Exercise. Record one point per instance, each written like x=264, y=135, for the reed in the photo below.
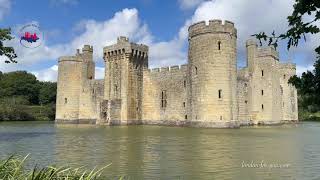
x=14, y=168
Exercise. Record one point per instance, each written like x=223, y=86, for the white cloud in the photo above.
x=188, y=4
x=301, y=69
x=98, y=34
x=49, y=74
x=5, y=6
x=99, y=73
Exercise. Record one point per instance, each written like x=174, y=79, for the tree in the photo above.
x=297, y=28
x=20, y=83
x=47, y=93
x=5, y=34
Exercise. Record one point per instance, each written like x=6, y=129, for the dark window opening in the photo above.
x=163, y=99
x=219, y=45
x=281, y=89
x=184, y=104
x=220, y=93
x=220, y=117
x=284, y=76
x=196, y=70
x=246, y=102
x=262, y=92
x=184, y=83
x=262, y=106
x=186, y=117
x=261, y=72
x=65, y=100
x=90, y=77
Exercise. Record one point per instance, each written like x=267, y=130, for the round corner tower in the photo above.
x=68, y=88
x=212, y=71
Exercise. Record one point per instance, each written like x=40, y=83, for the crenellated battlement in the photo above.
x=214, y=26
x=268, y=51
x=69, y=58
x=123, y=46
x=175, y=68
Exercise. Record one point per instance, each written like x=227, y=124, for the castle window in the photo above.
x=163, y=99
x=185, y=117
x=246, y=101
x=196, y=70
x=115, y=88
x=262, y=106
x=184, y=83
x=119, y=51
x=261, y=72
x=184, y=104
x=220, y=117
x=283, y=104
x=123, y=51
x=281, y=89
x=219, y=45
x=284, y=76
x=220, y=93
x=65, y=100
x=262, y=92
x=245, y=84
x=104, y=54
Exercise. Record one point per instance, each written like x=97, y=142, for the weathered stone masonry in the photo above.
x=208, y=91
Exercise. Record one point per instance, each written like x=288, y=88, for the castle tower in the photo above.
x=212, y=72
x=68, y=89
x=73, y=75
x=124, y=65
x=251, y=46
x=89, y=65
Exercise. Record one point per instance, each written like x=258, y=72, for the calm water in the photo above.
x=151, y=152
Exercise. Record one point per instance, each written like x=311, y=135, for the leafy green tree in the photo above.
x=5, y=34
x=47, y=93
x=20, y=83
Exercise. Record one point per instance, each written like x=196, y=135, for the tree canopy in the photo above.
x=5, y=34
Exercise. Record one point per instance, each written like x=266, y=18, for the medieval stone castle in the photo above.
x=208, y=91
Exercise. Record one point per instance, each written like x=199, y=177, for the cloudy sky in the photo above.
x=161, y=24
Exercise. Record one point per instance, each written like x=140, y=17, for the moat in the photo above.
x=152, y=152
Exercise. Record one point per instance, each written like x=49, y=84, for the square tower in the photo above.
x=124, y=65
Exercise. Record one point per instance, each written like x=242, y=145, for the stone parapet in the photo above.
x=214, y=26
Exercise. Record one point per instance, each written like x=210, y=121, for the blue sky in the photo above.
x=161, y=24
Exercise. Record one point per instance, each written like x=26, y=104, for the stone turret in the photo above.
x=212, y=72
x=125, y=63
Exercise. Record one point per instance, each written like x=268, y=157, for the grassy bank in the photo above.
x=27, y=112
x=14, y=168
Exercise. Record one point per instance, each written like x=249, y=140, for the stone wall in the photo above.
x=165, y=94
x=289, y=92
